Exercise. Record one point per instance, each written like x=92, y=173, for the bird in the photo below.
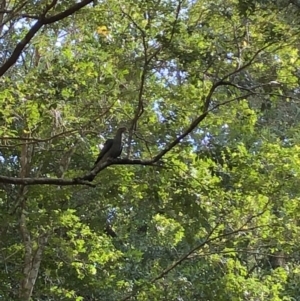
x=112, y=147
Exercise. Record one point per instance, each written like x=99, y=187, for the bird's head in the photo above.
x=122, y=130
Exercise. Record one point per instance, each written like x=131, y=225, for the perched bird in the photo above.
x=112, y=147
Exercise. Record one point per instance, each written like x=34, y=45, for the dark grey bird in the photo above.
x=112, y=147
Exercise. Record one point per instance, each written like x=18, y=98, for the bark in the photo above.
x=32, y=260
x=32, y=257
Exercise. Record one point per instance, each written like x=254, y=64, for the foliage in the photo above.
x=204, y=204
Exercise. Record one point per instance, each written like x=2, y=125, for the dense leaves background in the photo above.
x=204, y=204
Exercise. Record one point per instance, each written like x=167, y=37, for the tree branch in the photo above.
x=43, y=181
x=196, y=122
x=240, y=68
x=92, y=174
x=206, y=241
x=67, y=12
x=20, y=46
x=35, y=28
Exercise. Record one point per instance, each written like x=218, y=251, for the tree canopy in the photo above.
x=204, y=202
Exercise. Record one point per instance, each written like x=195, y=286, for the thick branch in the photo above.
x=207, y=101
x=91, y=175
x=68, y=12
x=35, y=28
x=196, y=122
x=43, y=181
x=20, y=46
